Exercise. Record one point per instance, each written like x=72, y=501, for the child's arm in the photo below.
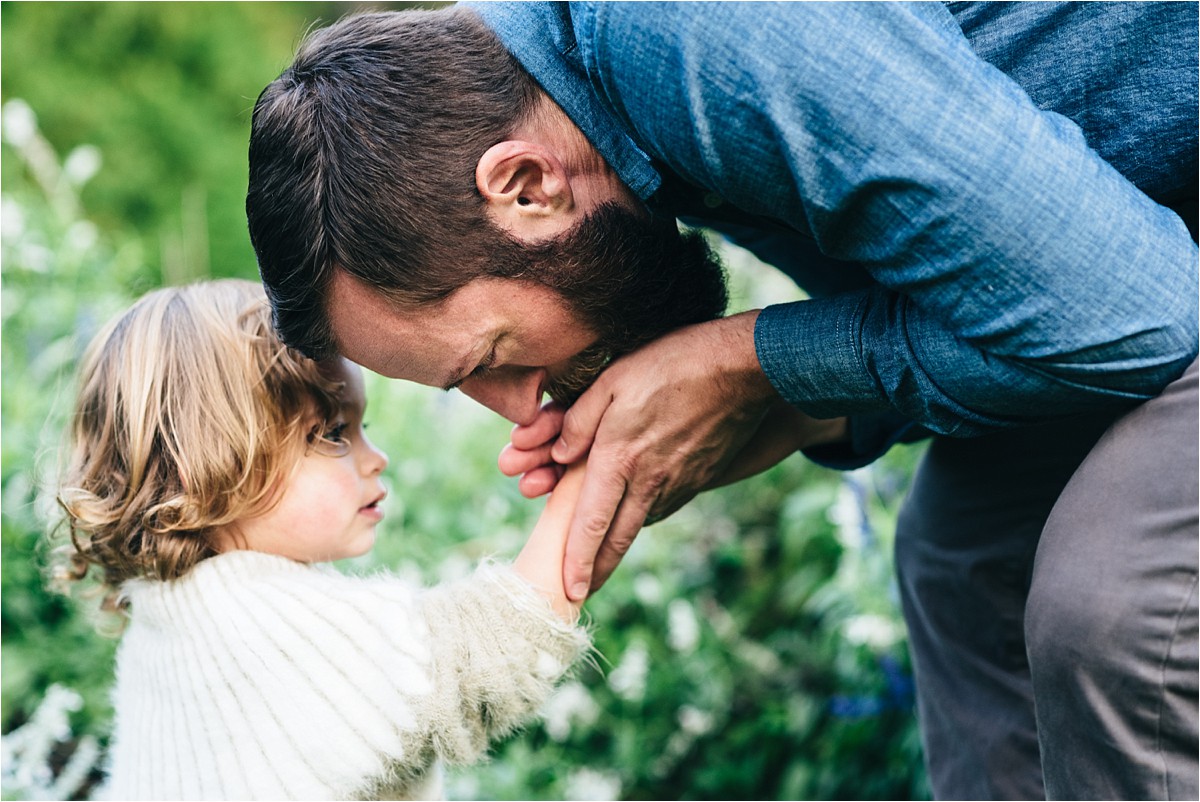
x=540, y=562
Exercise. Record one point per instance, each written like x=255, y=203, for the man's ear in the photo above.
x=527, y=189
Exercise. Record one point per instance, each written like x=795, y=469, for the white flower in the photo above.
x=19, y=123
x=81, y=164
x=628, y=680
x=81, y=236
x=37, y=258
x=648, y=589
x=12, y=219
x=683, y=630
x=571, y=704
x=694, y=721
x=590, y=784
x=26, y=750
x=847, y=512
x=871, y=630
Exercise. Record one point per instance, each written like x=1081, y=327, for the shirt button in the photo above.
x=712, y=200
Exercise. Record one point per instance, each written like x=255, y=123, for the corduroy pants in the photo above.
x=1048, y=577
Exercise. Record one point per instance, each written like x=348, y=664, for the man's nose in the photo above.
x=515, y=393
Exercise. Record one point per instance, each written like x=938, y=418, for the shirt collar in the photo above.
x=541, y=37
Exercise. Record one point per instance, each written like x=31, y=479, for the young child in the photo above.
x=213, y=475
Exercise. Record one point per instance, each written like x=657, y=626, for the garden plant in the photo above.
x=750, y=646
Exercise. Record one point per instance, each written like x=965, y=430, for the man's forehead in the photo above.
x=371, y=329
x=360, y=318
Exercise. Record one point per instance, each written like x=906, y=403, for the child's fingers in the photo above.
x=545, y=427
x=540, y=481
x=515, y=461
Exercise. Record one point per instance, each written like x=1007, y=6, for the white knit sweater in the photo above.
x=255, y=677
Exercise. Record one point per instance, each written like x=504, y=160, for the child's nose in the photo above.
x=374, y=460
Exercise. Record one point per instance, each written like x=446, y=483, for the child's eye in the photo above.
x=336, y=433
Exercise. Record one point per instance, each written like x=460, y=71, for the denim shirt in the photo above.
x=969, y=192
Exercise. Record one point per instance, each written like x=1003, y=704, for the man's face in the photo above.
x=500, y=341
x=611, y=284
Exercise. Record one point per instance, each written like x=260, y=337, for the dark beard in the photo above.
x=629, y=279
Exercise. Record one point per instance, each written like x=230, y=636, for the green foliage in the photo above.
x=165, y=91
x=749, y=646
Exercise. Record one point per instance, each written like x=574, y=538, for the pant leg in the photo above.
x=965, y=543
x=1112, y=613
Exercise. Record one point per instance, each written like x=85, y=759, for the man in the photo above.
x=980, y=200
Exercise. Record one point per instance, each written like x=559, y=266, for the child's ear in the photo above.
x=527, y=190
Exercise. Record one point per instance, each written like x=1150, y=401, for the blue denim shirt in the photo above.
x=956, y=186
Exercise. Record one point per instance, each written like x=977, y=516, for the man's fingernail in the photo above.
x=579, y=591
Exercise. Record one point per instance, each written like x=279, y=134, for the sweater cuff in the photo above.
x=560, y=644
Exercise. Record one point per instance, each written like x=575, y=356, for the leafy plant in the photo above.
x=751, y=645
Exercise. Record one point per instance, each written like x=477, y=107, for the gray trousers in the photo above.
x=1048, y=577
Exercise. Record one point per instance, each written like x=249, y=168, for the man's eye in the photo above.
x=485, y=366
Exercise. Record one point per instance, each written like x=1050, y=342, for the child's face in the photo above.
x=330, y=505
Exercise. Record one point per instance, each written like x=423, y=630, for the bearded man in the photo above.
x=984, y=202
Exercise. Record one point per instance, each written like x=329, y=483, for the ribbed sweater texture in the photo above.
x=256, y=677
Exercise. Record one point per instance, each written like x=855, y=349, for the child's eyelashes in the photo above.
x=330, y=439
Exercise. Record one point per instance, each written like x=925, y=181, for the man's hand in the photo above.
x=657, y=426
x=688, y=411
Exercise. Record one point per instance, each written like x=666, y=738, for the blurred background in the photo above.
x=752, y=645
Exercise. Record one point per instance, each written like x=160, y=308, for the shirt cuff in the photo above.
x=871, y=434
x=810, y=351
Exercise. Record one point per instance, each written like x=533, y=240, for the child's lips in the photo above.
x=374, y=509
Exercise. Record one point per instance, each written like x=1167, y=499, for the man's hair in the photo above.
x=191, y=413
x=363, y=155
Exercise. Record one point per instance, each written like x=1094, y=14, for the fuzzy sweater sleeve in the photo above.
x=498, y=650
x=255, y=677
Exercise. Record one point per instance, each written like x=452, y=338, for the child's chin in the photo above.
x=363, y=544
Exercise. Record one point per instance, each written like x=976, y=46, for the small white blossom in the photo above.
x=34, y=257
x=648, y=589
x=81, y=164
x=683, y=630
x=694, y=721
x=25, y=752
x=12, y=219
x=628, y=680
x=847, y=512
x=872, y=630
x=19, y=123
x=81, y=236
x=570, y=705
x=590, y=784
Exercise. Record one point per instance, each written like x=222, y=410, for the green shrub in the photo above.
x=751, y=645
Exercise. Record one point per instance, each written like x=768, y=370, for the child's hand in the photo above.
x=540, y=562
x=528, y=455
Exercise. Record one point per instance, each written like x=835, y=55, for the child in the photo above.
x=213, y=474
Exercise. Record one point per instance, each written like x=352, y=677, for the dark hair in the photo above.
x=362, y=158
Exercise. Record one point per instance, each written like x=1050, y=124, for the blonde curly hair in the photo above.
x=191, y=413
